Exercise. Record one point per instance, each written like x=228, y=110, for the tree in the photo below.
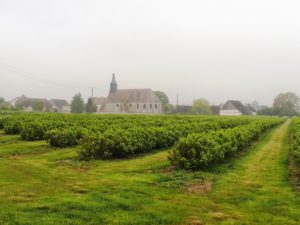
x=77, y=104
x=90, y=106
x=286, y=104
x=201, y=106
x=2, y=101
x=3, y=104
x=38, y=106
x=267, y=111
x=169, y=109
x=163, y=98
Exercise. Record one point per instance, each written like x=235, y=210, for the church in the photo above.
x=135, y=101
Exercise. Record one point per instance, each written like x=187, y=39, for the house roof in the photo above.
x=233, y=105
x=23, y=97
x=29, y=102
x=60, y=103
x=250, y=108
x=215, y=109
x=132, y=95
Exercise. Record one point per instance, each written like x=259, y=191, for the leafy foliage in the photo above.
x=295, y=140
x=120, y=136
x=77, y=104
x=201, y=106
x=38, y=106
x=286, y=104
x=64, y=137
x=200, y=150
x=163, y=97
x=90, y=106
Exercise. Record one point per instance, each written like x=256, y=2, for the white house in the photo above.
x=27, y=104
x=61, y=105
x=234, y=108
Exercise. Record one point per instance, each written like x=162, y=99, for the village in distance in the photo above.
x=146, y=101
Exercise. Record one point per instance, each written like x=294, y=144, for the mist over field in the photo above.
x=218, y=50
x=138, y=112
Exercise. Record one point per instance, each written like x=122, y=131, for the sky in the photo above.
x=212, y=49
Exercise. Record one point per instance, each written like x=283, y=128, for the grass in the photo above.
x=42, y=185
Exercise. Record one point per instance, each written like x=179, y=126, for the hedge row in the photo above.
x=65, y=137
x=66, y=130
x=295, y=140
x=122, y=143
x=2, y=120
x=119, y=143
x=198, y=151
x=10, y=112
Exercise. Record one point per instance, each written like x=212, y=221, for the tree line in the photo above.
x=78, y=105
x=284, y=104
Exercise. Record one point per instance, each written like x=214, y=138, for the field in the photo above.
x=82, y=182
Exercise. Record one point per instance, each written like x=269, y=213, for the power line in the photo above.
x=16, y=72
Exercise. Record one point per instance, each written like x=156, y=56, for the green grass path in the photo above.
x=258, y=190
x=42, y=185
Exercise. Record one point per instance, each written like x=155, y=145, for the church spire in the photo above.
x=113, y=84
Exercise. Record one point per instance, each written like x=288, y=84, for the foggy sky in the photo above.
x=218, y=50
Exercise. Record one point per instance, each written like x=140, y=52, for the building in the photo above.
x=183, y=109
x=139, y=101
x=61, y=105
x=233, y=108
x=251, y=110
x=215, y=109
x=28, y=104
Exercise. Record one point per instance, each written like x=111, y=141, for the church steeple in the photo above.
x=113, y=84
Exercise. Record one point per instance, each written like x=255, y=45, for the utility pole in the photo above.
x=177, y=99
x=92, y=90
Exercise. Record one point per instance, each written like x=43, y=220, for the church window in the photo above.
x=155, y=106
x=150, y=106
x=117, y=105
x=137, y=106
x=144, y=106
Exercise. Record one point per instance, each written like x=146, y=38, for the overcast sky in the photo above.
x=213, y=49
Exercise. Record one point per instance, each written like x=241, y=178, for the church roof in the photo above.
x=233, y=105
x=133, y=95
x=100, y=100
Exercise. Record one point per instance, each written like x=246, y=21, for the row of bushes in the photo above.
x=123, y=143
x=2, y=120
x=98, y=122
x=67, y=130
x=198, y=151
x=295, y=140
x=9, y=112
x=73, y=135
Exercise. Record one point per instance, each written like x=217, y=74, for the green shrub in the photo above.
x=295, y=140
x=33, y=131
x=64, y=137
x=201, y=150
x=2, y=121
x=12, y=126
